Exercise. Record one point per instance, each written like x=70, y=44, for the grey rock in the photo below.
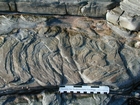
x=130, y=23
x=42, y=8
x=63, y=1
x=73, y=9
x=122, y=19
x=114, y=15
x=36, y=54
x=132, y=61
x=91, y=8
x=117, y=100
x=95, y=9
x=132, y=7
x=120, y=31
x=40, y=51
x=85, y=99
x=46, y=98
x=125, y=16
x=12, y=6
x=4, y=6
x=7, y=24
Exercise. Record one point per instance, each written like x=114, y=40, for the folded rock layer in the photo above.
x=50, y=51
x=41, y=52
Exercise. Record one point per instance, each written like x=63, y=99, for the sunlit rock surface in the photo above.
x=132, y=7
x=45, y=51
x=94, y=8
x=126, y=16
x=40, y=53
x=36, y=52
x=46, y=98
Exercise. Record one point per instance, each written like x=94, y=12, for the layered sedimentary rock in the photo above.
x=43, y=52
x=45, y=98
x=132, y=7
x=125, y=21
x=126, y=16
x=92, y=8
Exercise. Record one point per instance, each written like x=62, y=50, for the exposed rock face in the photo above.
x=126, y=16
x=94, y=8
x=56, y=99
x=132, y=7
x=43, y=52
x=43, y=55
x=50, y=51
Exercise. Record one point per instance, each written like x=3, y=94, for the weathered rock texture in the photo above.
x=94, y=8
x=125, y=21
x=126, y=16
x=50, y=51
x=40, y=52
x=45, y=98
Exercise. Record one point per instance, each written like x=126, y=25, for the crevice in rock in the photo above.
x=9, y=61
x=9, y=6
x=128, y=71
x=16, y=9
x=12, y=6
x=82, y=6
x=118, y=21
x=113, y=5
x=28, y=90
x=64, y=79
x=66, y=10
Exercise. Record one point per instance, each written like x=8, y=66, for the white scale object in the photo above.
x=84, y=89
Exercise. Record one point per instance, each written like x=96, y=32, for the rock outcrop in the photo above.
x=94, y=8
x=40, y=52
x=126, y=16
x=125, y=21
x=50, y=51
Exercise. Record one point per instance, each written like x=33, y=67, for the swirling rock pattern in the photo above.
x=50, y=51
